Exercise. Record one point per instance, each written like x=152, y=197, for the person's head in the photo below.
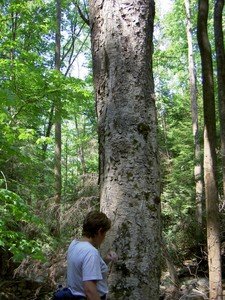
x=94, y=223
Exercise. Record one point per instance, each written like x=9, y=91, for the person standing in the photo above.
x=86, y=270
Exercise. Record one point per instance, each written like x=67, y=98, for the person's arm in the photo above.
x=90, y=289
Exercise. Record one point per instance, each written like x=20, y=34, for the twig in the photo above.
x=6, y=186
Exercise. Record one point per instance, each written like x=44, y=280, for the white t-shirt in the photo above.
x=85, y=263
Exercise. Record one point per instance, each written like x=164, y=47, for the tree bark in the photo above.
x=195, y=128
x=220, y=58
x=121, y=34
x=211, y=192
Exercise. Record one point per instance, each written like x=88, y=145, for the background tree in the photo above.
x=195, y=127
x=129, y=172
x=176, y=143
x=220, y=58
x=210, y=180
x=58, y=138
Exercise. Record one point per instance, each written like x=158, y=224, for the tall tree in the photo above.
x=178, y=193
x=195, y=126
x=129, y=173
x=220, y=58
x=210, y=180
x=58, y=146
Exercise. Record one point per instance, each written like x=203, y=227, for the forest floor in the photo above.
x=38, y=281
x=21, y=289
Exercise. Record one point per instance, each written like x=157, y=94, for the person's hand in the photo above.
x=111, y=257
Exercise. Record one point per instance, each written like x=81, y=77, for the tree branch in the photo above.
x=81, y=14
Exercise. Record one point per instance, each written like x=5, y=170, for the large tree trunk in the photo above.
x=129, y=172
x=57, y=171
x=194, y=105
x=211, y=193
x=220, y=57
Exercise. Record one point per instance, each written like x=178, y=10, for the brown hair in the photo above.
x=94, y=221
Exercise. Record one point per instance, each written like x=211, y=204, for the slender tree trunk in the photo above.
x=129, y=173
x=194, y=105
x=211, y=193
x=220, y=57
x=57, y=171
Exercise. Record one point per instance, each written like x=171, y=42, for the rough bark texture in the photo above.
x=220, y=58
x=129, y=173
x=194, y=105
x=211, y=193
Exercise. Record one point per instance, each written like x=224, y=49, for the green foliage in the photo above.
x=15, y=216
x=175, y=127
x=30, y=89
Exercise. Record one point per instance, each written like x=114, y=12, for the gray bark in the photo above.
x=220, y=58
x=129, y=172
x=195, y=128
x=210, y=180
